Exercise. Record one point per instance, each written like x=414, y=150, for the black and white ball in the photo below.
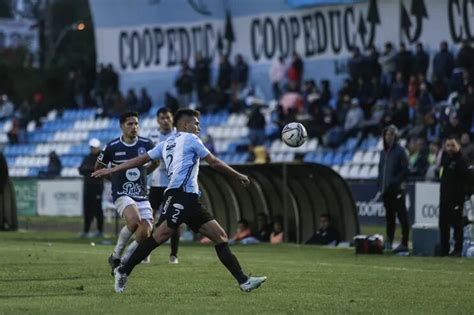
x=294, y=134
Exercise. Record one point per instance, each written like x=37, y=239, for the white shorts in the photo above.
x=144, y=207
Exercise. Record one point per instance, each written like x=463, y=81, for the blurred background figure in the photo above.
x=264, y=228
x=93, y=188
x=54, y=166
x=326, y=234
x=243, y=234
x=277, y=236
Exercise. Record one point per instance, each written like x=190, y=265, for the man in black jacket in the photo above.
x=393, y=171
x=92, y=191
x=452, y=191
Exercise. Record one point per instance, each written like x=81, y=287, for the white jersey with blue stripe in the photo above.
x=159, y=178
x=181, y=153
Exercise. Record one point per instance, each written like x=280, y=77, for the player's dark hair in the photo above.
x=164, y=110
x=452, y=137
x=244, y=222
x=124, y=116
x=185, y=112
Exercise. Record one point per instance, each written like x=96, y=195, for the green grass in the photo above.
x=53, y=272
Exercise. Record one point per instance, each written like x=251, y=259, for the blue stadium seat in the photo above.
x=328, y=157
x=338, y=158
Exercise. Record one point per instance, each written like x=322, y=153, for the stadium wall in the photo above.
x=147, y=40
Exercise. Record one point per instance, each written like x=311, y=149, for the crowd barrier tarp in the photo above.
x=26, y=196
x=373, y=213
x=146, y=40
x=60, y=197
x=310, y=189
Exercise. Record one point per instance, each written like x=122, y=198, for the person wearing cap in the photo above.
x=92, y=191
x=393, y=172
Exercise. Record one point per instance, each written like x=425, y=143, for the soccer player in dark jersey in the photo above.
x=129, y=187
x=159, y=179
x=181, y=153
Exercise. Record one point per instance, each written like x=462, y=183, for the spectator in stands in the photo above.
x=240, y=75
x=439, y=89
x=277, y=75
x=467, y=148
x=431, y=173
x=393, y=171
x=184, y=85
x=443, y=63
x=354, y=119
x=111, y=78
x=326, y=234
x=93, y=187
x=417, y=158
x=78, y=85
x=256, y=124
x=356, y=65
x=264, y=228
x=7, y=108
x=421, y=60
x=452, y=193
x=259, y=155
x=310, y=94
x=397, y=115
x=466, y=107
x=387, y=61
x=453, y=127
x=54, y=166
x=278, y=235
x=144, y=103
x=131, y=100
x=295, y=72
x=202, y=76
x=171, y=102
x=432, y=127
x=404, y=61
x=291, y=102
x=14, y=132
x=399, y=89
x=465, y=57
x=243, y=234
x=224, y=76
x=23, y=114
x=373, y=69
x=412, y=93
x=373, y=124
x=326, y=94
x=425, y=99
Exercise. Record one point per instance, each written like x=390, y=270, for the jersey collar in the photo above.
x=129, y=145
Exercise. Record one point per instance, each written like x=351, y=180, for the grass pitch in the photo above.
x=45, y=272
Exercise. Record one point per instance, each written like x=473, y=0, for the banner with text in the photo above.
x=60, y=197
x=26, y=195
x=153, y=37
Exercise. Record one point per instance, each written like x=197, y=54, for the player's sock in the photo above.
x=230, y=262
x=141, y=252
x=130, y=249
x=174, y=243
x=122, y=240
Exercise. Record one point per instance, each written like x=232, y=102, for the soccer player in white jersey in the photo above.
x=159, y=178
x=181, y=154
x=129, y=189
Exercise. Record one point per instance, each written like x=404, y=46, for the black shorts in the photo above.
x=182, y=207
x=156, y=197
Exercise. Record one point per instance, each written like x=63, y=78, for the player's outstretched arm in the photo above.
x=225, y=169
x=152, y=167
x=135, y=162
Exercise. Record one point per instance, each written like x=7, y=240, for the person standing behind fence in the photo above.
x=93, y=188
x=393, y=171
x=453, y=175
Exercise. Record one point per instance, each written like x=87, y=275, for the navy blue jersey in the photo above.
x=132, y=182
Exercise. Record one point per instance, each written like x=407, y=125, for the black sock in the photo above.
x=141, y=252
x=174, y=243
x=230, y=262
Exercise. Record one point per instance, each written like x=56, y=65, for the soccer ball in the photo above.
x=294, y=134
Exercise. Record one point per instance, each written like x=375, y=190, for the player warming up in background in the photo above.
x=129, y=189
x=159, y=179
x=181, y=153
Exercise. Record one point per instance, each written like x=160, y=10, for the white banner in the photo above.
x=426, y=203
x=15, y=33
x=60, y=197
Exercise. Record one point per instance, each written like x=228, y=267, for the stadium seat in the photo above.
x=344, y=171
x=358, y=156
x=354, y=172
x=374, y=172
x=364, y=172
x=367, y=157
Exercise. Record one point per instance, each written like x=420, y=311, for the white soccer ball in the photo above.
x=294, y=134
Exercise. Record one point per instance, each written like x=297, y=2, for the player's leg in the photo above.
x=390, y=219
x=174, y=243
x=88, y=217
x=127, y=209
x=402, y=215
x=216, y=233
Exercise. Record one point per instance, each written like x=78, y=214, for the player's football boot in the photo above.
x=114, y=263
x=252, y=283
x=174, y=260
x=120, y=280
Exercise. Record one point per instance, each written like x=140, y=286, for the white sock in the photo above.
x=130, y=249
x=122, y=240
